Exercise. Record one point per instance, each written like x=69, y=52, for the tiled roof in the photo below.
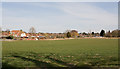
x=15, y=31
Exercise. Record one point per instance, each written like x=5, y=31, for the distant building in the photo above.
x=18, y=33
x=4, y=34
x=15, y=33
x=23, y=34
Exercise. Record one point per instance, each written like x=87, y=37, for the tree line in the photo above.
x=114, y=33
x=75, y=34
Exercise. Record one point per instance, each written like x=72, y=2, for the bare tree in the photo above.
x=32, y=30
x=67, y=31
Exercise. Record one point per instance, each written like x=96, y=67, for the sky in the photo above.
x=60, y=0
x=55, y=17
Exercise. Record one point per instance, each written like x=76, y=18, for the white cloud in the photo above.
x=89, y=12
x=85, y=11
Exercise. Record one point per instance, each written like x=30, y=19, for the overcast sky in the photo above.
x=60, y=16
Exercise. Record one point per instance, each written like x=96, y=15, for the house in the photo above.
x=15, y=33
x=28, y=34
x=23, y=34
x=18, y=33
x=4, y=34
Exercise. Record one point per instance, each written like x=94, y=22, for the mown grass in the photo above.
x=60, y=53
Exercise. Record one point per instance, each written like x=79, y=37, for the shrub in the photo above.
x=10, y=37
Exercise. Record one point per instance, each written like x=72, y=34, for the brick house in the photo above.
x=18, y=33
x=15, y=33
x=5, y=34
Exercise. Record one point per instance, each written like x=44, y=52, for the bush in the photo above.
x=68, y=34
x=10, y=37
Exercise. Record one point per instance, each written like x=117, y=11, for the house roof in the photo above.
x=15, y=31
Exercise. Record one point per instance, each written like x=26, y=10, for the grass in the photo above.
x=61, y=53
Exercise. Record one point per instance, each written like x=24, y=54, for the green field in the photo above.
x=60, y=53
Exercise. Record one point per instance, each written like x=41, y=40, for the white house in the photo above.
x=23, y=35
